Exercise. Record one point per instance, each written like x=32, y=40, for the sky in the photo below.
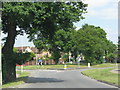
x=103, y=13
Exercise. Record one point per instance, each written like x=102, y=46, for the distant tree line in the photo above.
x=91, y=41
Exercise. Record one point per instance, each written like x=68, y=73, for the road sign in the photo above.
x=40, y=60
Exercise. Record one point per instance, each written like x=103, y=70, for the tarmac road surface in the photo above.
x=61, y=79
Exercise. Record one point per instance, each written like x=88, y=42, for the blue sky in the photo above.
x=103, y=13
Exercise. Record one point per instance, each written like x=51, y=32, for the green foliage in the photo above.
x=55, y=16
x=92, y=42
x=56, y=55
x=54, y=32
x=40, y=20
x=46, y=57
x=21, y=58
x=20, y=13
x=65, y=57
x=63, y=39
x=111, y=57
x=15, y=50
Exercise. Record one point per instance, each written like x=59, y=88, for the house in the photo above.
x=34, y=50
x=27, y=49
x=43, y=54
x=38, y=54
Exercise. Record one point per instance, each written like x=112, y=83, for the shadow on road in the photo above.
x=42, y=80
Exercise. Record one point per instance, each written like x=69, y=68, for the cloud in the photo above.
x=104, y=13
x=112, y=34
x=99, y=3
x=108, y=13
x=96, y=3
x=104, y=9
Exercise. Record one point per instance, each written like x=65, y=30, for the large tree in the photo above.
x=13, y=15
x=61, y=43
x=35, y=19
x=60, y=21
x=92, y=42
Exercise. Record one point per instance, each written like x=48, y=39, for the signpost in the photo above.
x=40, y=61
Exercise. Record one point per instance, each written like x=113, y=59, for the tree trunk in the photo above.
x=56, y=55
x=8, y=61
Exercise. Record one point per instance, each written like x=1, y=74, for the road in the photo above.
x=61, y=79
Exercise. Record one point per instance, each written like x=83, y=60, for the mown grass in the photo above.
x=104, y=65
x=21, y=79
x=103, y=75
x=68, y=66
x=49, y=66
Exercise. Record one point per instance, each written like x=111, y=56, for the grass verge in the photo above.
x=21, y=79
x=49, y=66
x=104, y=65
x=32, y=67
x=103, y=75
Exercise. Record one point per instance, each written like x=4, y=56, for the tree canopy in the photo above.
x=37, y=19
x=92, y=42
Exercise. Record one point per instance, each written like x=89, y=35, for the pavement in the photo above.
x=61, y=79
x=115, y=71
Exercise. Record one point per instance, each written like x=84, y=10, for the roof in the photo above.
x=23, y=49
x=35, y=50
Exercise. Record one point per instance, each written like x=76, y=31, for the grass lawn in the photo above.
x=21, y=79
x=104, y=65
x=49, y=66
x=103, y=75
x=68, y=66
